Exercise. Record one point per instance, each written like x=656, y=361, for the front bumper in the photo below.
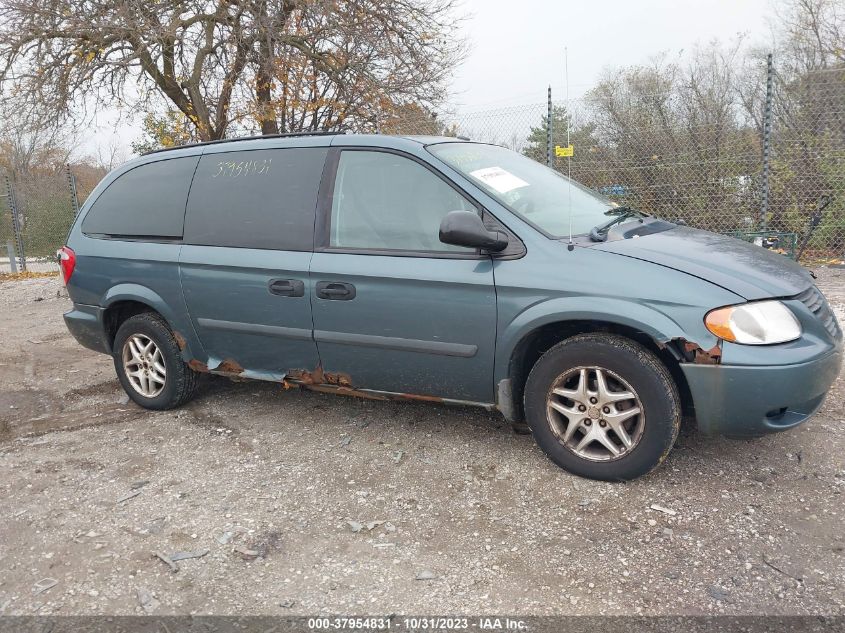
x=748, y=401
x=86, y=324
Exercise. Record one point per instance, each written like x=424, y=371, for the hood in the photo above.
x=750, y=271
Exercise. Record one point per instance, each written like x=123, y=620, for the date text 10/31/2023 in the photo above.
x=421, y=623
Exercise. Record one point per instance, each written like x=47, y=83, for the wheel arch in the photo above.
x=518, y=353
x=120, y=311
x=126, y=300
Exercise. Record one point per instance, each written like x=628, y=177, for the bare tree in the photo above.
x=812, y=34
x=364, y=61
x=676, y=135
x=28, y=145
x=636, y=122
x=110, y=155
x=220, y=62
x=809, y=118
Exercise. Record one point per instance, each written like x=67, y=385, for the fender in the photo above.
x=182, y=328
x=639, y=316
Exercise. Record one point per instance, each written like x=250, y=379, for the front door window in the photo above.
x=383, y=201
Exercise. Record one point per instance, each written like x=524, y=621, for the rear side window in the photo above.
x=147, y=201
x=256, y=199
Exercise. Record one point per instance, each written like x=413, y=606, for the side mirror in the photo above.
x=465, y=228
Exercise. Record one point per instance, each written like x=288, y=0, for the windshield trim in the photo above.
x=516, y=213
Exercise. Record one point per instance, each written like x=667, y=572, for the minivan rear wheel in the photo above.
x=603, y=406
x=149, y=364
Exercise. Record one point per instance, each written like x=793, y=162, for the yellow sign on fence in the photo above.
x=569, y=150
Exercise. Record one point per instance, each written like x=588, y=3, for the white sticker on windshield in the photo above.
x=500, y=179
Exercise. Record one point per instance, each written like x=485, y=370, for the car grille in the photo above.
x=817, y=304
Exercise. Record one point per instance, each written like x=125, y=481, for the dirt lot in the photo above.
x=355, y=507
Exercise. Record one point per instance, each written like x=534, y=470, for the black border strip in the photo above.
x=422, y=623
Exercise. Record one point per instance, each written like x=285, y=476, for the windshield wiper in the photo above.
x=599, y=232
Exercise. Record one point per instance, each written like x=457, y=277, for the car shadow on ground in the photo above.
x=331, y=415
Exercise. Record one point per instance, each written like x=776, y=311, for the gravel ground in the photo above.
x=303, y=503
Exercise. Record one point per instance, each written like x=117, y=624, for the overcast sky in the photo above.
x=517, y=48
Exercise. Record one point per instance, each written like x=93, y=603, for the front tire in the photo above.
x=602, y=406
x=149, y=364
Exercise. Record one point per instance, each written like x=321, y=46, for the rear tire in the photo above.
x=602, y=406
x=149, y=364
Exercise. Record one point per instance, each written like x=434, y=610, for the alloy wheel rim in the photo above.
x=595, y=413
x=144, y=366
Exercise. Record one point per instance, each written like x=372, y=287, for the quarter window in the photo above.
x=383, y=201
x=146, y=201
x=256, y=199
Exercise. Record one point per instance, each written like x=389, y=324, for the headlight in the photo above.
x=758, y=323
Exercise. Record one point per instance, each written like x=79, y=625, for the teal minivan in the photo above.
x=443, y=270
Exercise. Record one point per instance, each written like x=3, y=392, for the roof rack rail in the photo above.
x=242, y=138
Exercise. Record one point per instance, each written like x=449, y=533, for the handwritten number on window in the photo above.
x=244, y=168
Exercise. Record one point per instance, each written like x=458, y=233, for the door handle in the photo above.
x=287, y=287
x=335, y=290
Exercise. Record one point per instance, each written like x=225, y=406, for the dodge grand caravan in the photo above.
x=447, y=271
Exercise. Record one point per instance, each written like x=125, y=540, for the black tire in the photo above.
x=180, y=382
x=646, y=375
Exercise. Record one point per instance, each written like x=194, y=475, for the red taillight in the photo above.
x=67, y=260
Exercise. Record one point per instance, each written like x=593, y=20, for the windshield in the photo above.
x=536, y=193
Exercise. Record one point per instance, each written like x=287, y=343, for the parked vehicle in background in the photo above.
x=443, y=270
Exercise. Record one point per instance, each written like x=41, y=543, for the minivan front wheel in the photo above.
x=602, y=406
x=149, y=364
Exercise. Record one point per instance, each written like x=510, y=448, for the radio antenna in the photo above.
x=568, y=144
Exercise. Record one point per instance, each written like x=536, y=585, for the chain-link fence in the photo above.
x=769, y=169
x=702, y=173
x=808, y=161
x=777, y=179
x=35, y=221
x=36, y=212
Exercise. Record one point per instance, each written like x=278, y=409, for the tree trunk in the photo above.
x=264, y=78
x=266, y=109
